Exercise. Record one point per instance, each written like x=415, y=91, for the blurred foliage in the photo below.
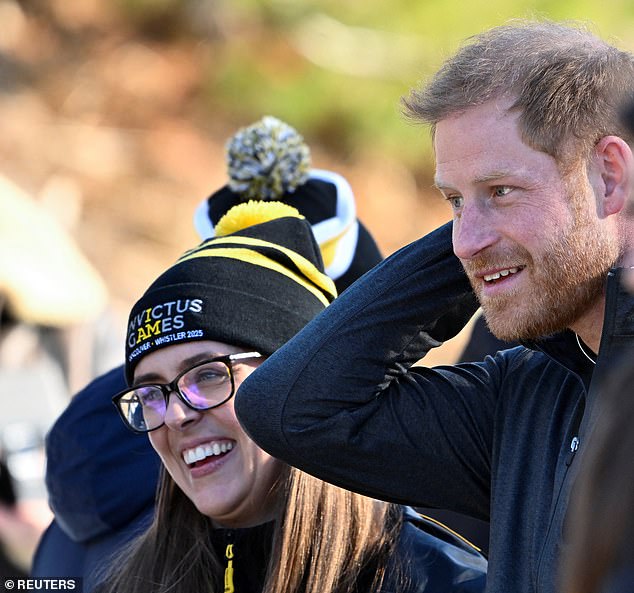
x=336, y=69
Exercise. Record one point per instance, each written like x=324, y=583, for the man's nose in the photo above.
x=472, y=231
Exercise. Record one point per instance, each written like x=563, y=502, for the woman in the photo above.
x=92, y=461
x=230, y=517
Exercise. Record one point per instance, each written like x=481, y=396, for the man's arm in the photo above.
x=340, y=402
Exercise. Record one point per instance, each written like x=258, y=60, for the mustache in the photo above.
x=509, y=257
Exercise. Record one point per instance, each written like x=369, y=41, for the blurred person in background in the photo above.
x=93, y=466
x=600, y=527
x=599, y=557
x=53, y=337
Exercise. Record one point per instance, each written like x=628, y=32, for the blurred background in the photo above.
x=113, y=119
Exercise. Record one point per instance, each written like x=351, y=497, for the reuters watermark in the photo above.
x=43, y=585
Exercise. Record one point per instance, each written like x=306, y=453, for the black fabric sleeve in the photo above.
x=341, y=400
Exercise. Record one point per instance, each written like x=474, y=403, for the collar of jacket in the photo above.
x=616, y=338
x=250, y=554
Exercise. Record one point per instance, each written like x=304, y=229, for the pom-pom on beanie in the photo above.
x=269, y=160
x=254, y=286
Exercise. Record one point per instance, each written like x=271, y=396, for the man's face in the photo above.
x=529, y=239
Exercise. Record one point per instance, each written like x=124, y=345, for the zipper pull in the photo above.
x=229, y=569
x=574, y=445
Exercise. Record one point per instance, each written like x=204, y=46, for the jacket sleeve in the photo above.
x=341, y=402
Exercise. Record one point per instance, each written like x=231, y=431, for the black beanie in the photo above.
x=255, y=287
x=270, y=161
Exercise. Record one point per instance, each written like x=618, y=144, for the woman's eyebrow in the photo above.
x=146, y=378
x=182, y=365
x=192, y=360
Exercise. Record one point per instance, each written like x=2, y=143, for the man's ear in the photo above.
x=615, y=163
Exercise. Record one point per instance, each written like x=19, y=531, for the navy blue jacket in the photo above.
x=435, y=559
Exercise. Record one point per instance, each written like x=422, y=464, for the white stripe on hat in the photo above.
x=344, y=224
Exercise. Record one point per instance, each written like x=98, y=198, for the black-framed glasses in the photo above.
x=203, y=386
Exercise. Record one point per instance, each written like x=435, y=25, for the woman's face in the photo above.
x=234, y=486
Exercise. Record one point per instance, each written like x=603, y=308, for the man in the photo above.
x=533, y=159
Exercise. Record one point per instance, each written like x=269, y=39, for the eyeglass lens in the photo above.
x=202, y=387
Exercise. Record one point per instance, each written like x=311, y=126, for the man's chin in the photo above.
x=506, y=334
x=512, y=327
x=509, y=327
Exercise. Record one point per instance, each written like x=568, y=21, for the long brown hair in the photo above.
x=323, y=540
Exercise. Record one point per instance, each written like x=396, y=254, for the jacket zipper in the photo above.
x=229, y=554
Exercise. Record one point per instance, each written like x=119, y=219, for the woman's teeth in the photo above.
x=202, y=451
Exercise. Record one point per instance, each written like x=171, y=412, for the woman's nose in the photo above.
x=177, y=414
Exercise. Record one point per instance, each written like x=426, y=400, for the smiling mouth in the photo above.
x=198, y=455
x=501, y=274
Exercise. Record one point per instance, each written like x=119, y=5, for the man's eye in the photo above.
x=501, y=190
x=455, y=201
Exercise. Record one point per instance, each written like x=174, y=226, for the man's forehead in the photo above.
x=494, y=175
x=481, y=145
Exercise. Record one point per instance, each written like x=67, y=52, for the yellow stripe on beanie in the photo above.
x=256, y=212
x=307, y=268
x=253, y=257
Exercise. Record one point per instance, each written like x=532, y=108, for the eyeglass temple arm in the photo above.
x=242, y=355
